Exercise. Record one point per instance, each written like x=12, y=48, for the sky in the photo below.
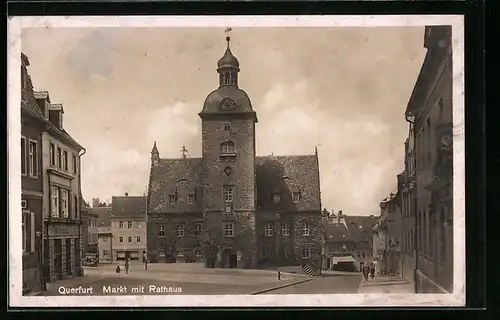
x=341, y=89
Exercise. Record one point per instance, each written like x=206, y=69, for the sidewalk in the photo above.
x=387, y=285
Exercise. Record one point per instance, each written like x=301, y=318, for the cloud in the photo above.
x=341, y=89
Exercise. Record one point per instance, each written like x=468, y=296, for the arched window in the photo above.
x=227, y=148
x=226, y=78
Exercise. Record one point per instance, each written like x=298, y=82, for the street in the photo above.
x=324, y=285
x=193, y=279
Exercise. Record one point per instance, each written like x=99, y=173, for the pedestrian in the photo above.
x=117, y=269
x=126, y=266
x=365, y=272
x=372, y=271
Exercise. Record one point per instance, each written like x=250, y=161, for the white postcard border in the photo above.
x=15, y=25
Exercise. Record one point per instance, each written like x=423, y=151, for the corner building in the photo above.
x=231, y=208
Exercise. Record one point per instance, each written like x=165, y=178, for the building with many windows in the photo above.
x=90, y=220
x=62, y=234
x=430, y=112
x=128, y=229
x=33, y=124
x=230, y=207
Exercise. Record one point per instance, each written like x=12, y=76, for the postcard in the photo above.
x=236, y=161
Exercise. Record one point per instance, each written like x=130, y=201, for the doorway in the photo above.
x=233, y=260
x=58, y=258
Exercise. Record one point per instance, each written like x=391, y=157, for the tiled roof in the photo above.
x=335, y=231
x=128, y=206
x=175, y=176
x=275, y=174
x=104, y=215
x=287, y=175
x=360, y=227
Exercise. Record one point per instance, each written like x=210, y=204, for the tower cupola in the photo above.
x=228, y=67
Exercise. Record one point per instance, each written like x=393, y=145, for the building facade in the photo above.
x=232, y=208
x=430, y=109
x=128, y=227
x=408, y=205
x=62, y=234
x=104, y=231
x=90, y=233
x=33, y=124
x=380, y=249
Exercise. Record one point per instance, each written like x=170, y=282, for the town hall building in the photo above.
x=232, y=208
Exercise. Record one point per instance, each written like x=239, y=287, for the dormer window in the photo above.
x=296, y=197
x=172, y=198
x=276, y=197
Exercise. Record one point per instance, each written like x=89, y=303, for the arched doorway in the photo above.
x=229, y=258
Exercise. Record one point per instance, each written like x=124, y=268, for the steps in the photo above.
x=310, y=271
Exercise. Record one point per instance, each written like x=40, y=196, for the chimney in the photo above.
x=126, y=194
x=95, y=202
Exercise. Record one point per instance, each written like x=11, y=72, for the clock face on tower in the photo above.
x=227, y=104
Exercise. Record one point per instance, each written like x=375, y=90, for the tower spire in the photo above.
x=228, y=66
x=155, y=155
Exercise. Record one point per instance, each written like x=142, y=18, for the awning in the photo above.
x=336, y=260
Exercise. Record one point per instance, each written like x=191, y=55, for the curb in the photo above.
x=281, y=286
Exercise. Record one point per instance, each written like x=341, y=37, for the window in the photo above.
x=129, y=239
x=306, y=253
x=23, y=156
x=52, y=151
x=227, y=126
x=139, y=225
x=120, y=239
x=65, y=160
x=64, y=203
x=296, y=196
x=129, y=224
x=197, y=229
x=268, y=230
x=228, y=193
x=54, y=206
x=276, y=197
x=286, y=252
x=179, y=232
x=138, y=239
x=285, y=230
x=25, y=232
x=33, y=160
x=305, y=229
x=59, y=155
x=227, y=148
x=268, y=252
x=120, y=224
x=191, y=198
x=363, y=254
x=197, y=253
x=161, y=230
x=228, y=230
x=74, y=164
x=171, y=198
x=104, y=253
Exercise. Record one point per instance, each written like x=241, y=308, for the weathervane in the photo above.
x=227, y=31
